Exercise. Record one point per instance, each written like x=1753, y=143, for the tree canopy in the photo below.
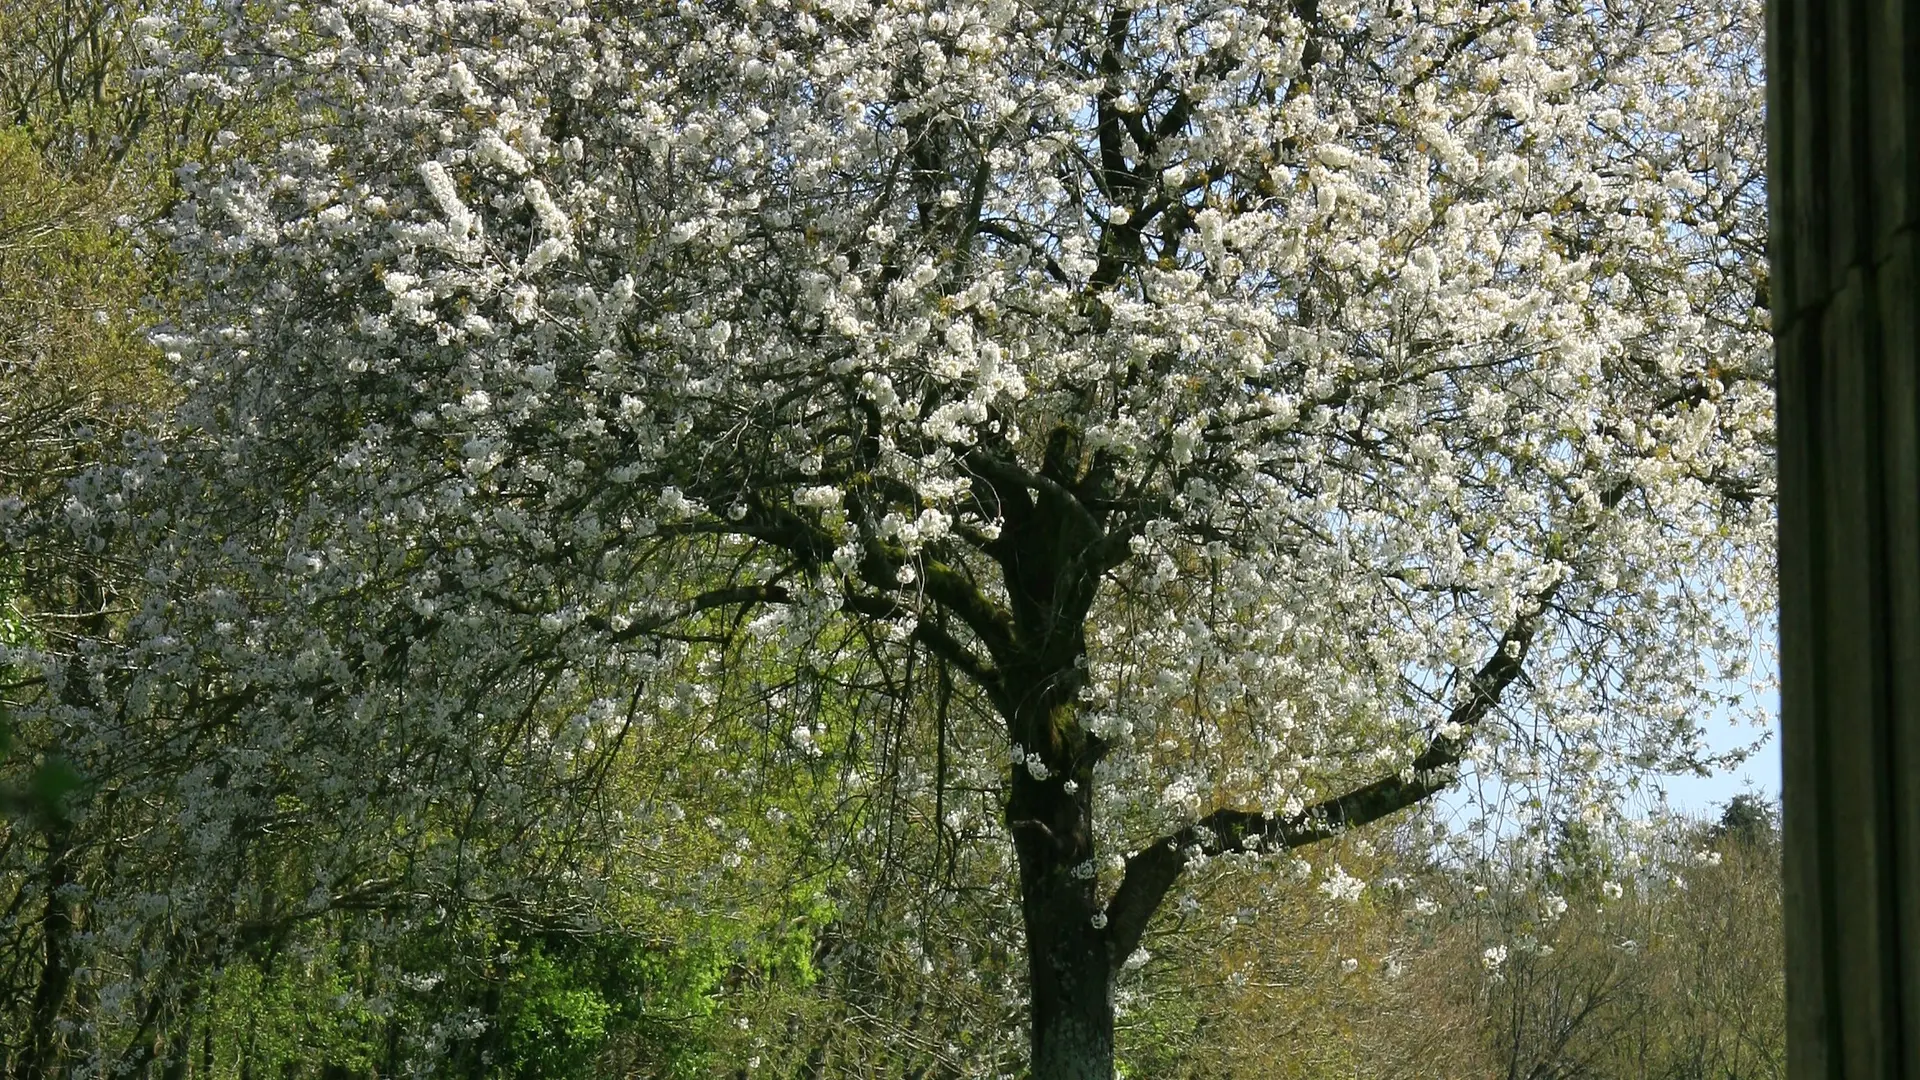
x=1191, y=429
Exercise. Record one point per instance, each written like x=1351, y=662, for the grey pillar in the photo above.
x=1844, y=112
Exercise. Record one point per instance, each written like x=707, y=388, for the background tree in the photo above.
x=107, y=961
x=1671, y=967
x=76, y=374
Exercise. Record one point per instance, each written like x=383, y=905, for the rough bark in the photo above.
x=1070, y=969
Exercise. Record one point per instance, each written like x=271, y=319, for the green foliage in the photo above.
x=1748, y=821
x=286, y=1015
x=49, y=781
x=553, y=1006
x=565, y=1002
x=555, y=1014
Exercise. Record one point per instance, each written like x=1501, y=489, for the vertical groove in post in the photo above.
x=1899, y=285
x=1844, y=180
x=1807, y=992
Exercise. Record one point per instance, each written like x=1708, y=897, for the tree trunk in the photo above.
x=1072, y=987
x=1069, y=966
x=1050, y=795
x=56, y=970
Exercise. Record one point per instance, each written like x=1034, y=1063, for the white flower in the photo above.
x=522, y=303
x=464, y=83
x=676, y=504
x=931, y=524
x=546, y=212
x=1341, y=886
x=546, y=253
x=493, y=150
x=461, y=227
x=821, y=497
x=1334, y=156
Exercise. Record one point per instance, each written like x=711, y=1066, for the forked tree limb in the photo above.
x=1151, y=872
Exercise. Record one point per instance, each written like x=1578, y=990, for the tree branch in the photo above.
x=944, y=584
x=1151, y=872
x=706, y=601
x=937, y=640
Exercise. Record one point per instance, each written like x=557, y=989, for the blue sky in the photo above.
x=1755, y=719
x=1759, y=774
